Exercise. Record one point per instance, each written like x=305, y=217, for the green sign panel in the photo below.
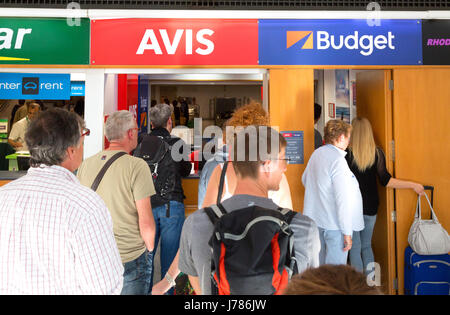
x=44, y=41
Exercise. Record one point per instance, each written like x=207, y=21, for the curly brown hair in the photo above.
x=330, y=280
x=334, y=129
x=250, y=114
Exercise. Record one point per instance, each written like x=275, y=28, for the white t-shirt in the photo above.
x=18, y=133
x=281, y=197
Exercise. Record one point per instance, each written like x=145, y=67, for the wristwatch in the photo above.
x=170, y=280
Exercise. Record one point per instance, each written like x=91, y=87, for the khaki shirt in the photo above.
x=127, y=180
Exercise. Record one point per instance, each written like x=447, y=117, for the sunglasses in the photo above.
x=86, y=132
x=285, y=159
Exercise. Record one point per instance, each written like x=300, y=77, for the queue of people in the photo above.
x=97, y=232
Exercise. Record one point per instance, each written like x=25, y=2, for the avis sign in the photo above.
x=174, y=42
x=340, y=42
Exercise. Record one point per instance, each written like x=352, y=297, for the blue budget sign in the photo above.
x=34, y=86
x=340, y=42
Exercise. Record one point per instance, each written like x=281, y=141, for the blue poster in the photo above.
x=77, y=88
x=143, y=105
x=35, y=86
x=340, y=42
x=294, y=148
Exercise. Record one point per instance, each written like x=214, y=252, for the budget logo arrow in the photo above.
x=293, y=37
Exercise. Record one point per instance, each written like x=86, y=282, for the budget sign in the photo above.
x=339, y=42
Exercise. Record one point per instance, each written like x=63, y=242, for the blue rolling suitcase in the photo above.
x=426, y=274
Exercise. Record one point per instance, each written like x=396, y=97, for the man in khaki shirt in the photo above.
x=126, y=189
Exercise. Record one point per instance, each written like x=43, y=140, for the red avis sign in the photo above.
x=174, y=42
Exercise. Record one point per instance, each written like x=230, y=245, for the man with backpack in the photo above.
x=254, y=246
x=159, y=149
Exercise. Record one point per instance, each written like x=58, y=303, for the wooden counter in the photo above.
x=190, y=188
x=7, y=176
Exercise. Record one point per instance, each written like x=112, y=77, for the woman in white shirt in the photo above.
x=332, y=196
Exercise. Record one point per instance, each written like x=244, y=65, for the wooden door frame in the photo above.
x=381, y=120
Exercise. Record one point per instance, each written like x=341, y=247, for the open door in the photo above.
x=422, y=147
x=374, y=102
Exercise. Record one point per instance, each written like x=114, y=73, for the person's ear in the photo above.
x=70, y=153
x=266, y=166
x=130, y=133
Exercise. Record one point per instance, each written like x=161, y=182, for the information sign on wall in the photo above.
x=294, y=148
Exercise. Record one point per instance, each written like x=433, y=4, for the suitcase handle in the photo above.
x=429, y=187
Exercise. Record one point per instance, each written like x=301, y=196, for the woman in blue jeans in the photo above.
x=367, y=162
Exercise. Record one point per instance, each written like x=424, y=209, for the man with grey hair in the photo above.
x=126, y=188
x=56, y=235
x=159, y=147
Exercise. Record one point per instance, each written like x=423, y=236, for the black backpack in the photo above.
x=157, y=153
x=252, y=250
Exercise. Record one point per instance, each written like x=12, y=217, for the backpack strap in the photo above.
x=288, y=214
x=215, y=212
x=105, y=167
x=221, y=183
x=293, y=267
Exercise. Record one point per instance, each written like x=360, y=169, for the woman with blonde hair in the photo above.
x=367, y=162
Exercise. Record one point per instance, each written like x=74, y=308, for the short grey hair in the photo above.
x=159, y=115
x=50, y=134
x=117, y=124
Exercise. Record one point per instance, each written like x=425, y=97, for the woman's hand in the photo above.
x=418, y=188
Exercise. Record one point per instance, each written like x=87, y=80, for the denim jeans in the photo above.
x=137, y=275
x=361, y=253
x=168, y=229
x=331, y=247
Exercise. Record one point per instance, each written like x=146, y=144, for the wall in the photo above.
x=205, y=93
x=327, y=94
x=110, y=93
x=291, y=108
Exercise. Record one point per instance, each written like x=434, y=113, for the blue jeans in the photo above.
x=331, y=247
x=361, y=253
x=137, y=275
x=169, y=230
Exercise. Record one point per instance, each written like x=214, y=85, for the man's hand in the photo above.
x=347, y=242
